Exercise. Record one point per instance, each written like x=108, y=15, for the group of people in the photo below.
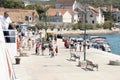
x=52, y=50
x=22, y=41
x=74, y=45
x=51, y=37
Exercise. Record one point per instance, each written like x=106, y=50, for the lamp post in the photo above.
x=84, y=44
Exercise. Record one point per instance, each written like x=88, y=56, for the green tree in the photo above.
x=40, y=9
x=75, y=26
x=11, y=4
x=89, y=26
x=30, y=7
x=108, y=25
x=108, y=16
x=39, y=26
x=98, y=26
x=100, y=3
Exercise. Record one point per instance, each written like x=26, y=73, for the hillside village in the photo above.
x=65, y=13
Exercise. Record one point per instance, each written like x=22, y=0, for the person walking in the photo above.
x=51, y=52
x=33, y=43
x=75, y=46
x=37, y=48
x=50, y=46
x=80, y=46
x=43, y=48
x=29, y=44
x=55, y=38
x=56, y=50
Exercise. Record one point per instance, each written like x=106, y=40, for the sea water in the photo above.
x=114, y=41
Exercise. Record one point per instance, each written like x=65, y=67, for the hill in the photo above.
x=95, y=3
x=98, y=3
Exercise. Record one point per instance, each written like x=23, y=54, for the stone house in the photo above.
x=94, y=16
x=21, y=15
x=89, y=14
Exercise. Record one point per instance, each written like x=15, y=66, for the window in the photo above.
x=93, y=21
x=57, y=13
x=26, y=18
x=79, y=15
x=119, y=17
x=30, y=18
x=57, y=20
x=9, y=36
x=91, y=15
x=74, y=20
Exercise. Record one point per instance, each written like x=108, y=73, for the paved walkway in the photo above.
x=60, y=67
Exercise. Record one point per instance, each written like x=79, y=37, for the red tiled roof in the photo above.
x=93, y=10
x=18, y=15
x=65, y=2
x=53, y=12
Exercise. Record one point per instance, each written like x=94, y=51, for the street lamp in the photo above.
x=84, y=44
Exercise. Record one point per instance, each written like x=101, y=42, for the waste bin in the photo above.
x=17, y=60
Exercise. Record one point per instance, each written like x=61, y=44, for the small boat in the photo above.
x=97, y=39
x=79, y=39
x=106, y=47
x=100, y=43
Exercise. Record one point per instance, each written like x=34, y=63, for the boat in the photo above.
x=100, y=43
x=106, y=47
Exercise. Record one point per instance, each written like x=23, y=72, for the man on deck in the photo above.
x=6, y=21
x=6, y=25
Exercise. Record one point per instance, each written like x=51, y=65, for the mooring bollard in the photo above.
x=79, y=64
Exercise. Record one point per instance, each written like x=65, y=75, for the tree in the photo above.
x=39, y=8
x=39, y=26
x=51, y=26
x=108, y=25
x=30, y=7
x=11, y=4
x=108, y=16
x=98, y=25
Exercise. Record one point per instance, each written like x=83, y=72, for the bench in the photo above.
x=74, y=56
x=90, y=63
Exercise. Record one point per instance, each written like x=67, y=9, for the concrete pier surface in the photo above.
x=61, y=67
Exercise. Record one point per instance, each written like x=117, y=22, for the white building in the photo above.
x=91, y=14
x=62, y=15
x=116, y=16
x=94, y=16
